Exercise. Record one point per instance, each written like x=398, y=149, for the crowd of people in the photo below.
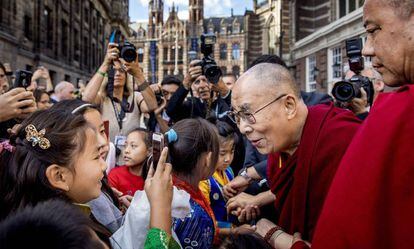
x=247, y=162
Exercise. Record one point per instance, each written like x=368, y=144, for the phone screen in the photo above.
x=157, y=146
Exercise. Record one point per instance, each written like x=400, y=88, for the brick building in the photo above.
x=166, y=47
x=68, y=37
x=318, y=33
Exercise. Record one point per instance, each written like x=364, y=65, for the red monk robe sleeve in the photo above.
x=371, y=200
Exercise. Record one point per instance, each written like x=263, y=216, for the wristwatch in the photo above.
x=245, y=175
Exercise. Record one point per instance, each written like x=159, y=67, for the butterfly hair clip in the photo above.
x=37, y=137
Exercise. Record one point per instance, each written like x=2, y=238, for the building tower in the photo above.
x=196, y=9
x=155, y=17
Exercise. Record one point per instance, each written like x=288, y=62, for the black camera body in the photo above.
x=127, y=50
x=347, y=90
x=23, y=79
x=208, y=64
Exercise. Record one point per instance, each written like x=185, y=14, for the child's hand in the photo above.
x=158, y=185
x=159, y=189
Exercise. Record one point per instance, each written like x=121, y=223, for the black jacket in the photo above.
x=180, y=108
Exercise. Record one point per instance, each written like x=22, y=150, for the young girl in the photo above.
x=105, y=208
x=130, y=178
x=193, y=147
x=56, y=156
x=213, y=187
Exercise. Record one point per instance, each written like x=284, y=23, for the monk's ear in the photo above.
x=59, y=177
x=291, y=104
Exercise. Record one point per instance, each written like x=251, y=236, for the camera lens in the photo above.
x=212, y=73
x=343, y=91
x=128, y=53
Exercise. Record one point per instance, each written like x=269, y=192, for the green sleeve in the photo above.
x=157, y=238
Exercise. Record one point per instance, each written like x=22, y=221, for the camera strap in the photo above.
x=120, y=115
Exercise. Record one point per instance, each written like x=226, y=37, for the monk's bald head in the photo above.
x=270, y=78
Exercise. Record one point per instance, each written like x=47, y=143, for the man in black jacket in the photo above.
x=214, y=100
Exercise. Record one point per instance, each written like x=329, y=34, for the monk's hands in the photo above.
x=236, y=186
x=247, y=214
x=244, y=206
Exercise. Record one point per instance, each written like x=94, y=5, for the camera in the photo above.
x=208, y=65
x=23, y=79
x=127, y=51
x=347, y=90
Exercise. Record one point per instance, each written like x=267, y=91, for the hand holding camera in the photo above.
x=112, y=54
x=17, y=103
x=194, y=71
x=346, y=91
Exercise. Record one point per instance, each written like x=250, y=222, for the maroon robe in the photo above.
x=371, y=200
x=302, y=183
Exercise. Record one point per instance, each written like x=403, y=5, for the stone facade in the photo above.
x=175, y=42
x=318, y=34
x=68, y=37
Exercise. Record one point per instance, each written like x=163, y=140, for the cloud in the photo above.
x=176, y=2
x=217, y=7
x=144, y=2
x=183, y=14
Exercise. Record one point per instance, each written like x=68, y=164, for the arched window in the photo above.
x=235, y=55
x=223, y=51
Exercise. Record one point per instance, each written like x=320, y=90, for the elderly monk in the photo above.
x=371, y=201
x=305, y=146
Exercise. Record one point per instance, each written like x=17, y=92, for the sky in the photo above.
x=138, y=9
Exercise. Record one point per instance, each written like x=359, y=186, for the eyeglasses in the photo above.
x=249, y=117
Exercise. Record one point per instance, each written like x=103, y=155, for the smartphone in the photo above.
x=157, y=147
x=23, y=79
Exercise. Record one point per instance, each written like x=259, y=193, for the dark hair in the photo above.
x=269, y=58
x=23, y=178
x=110, y=85
x=226, y=132
x=37, y=93
x=147, y=135
x=71, y=105
x=244, y=241
x=2, y=67
x=195, y=137
x=171, y=79
x=50, y=224
x=230, y=75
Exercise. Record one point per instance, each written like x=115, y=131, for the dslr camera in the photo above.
x=127, y=51
x=208, y=65
x=347, y=90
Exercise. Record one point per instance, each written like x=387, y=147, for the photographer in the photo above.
x=115, y=95
x=159, y=120
x=213, y=100
x=360, y=106
x=42, y=78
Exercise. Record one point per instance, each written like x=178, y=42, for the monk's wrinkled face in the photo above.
x=390, y=42
x=270, y=132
